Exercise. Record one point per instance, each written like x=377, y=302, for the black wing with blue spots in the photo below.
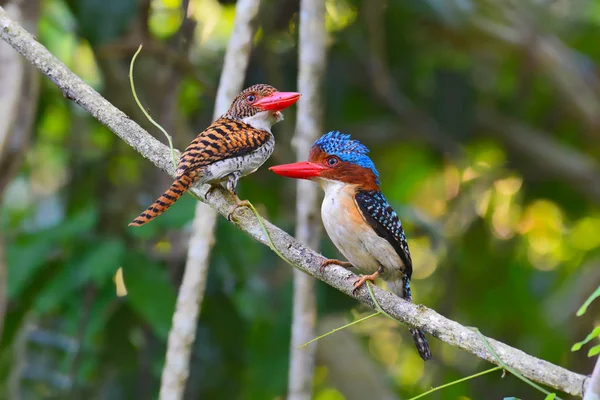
x=384, y=220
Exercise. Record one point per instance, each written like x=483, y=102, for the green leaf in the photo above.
x=595, y=333
x=97, y=265
x=74, y=226
x=24, y=261
x=594, y=351
x=585, y=305
x=150, y=293
x=551, y=396
x=28, y=253
x=102, y=262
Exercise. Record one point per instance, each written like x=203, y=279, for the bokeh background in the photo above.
x=483, y=120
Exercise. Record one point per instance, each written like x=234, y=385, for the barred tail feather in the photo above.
x=417, y=334
x=165, y=201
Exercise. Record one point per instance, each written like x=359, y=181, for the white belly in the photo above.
x=246, y=164
x=353, y=237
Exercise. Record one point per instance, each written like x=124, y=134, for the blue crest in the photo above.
x=347, y=150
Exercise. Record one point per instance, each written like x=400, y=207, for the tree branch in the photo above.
x=191, y=292
x=309, y=122
x=305, y=259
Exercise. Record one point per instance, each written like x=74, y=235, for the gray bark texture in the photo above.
x=309, y=122
x=189, y=299
x=303, y=258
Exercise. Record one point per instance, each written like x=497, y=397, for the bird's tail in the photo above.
x=165, y=201
x=417, y=334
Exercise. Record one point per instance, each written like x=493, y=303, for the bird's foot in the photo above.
x=239, y=203
x=330, y=261
x=210, y=189
x=361, y=281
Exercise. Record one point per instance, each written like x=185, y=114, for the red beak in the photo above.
x=278, y=101
x=299, y=170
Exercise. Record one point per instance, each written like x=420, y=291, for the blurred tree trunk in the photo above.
x=3, y=283
x=350, y=368
x=19, y=87
x=309, y=122
x=191, y=292
x=593, y=391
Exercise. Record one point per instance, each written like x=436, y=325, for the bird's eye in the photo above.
x=251, y=98
x=331, y=161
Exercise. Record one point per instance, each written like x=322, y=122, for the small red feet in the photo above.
x=240, y=203
x=210, y=189
x=325, y=263
x=361, y=281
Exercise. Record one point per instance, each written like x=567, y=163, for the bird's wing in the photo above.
x=224, y=139
x=383, y=219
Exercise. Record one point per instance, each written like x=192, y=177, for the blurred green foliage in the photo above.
x=458, y=102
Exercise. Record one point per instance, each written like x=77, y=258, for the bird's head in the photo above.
x=335, y=157
x=260, y=106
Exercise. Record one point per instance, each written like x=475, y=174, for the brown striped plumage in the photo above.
x=225, y=138
x=233, y=146
x=160, y=205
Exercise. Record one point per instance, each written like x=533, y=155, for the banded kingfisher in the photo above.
x=357, y=217
x=233, y=146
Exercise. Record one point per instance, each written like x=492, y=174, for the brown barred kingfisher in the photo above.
x=357, y=217
x=233, y=146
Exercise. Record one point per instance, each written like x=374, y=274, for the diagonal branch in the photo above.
x=418, y=316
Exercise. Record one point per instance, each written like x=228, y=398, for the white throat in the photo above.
x=331, y=187
x=263, y=120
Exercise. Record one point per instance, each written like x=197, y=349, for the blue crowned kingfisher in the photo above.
x=357, y=217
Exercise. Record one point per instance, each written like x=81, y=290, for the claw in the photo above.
x=361, y=281
x=325, y=263
x=210, y=189
x=240, y=203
